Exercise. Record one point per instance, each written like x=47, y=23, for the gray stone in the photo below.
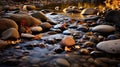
x=111, y=46
x=68, y=32
x=11, y=33
x=103, y=29
x=62, y=62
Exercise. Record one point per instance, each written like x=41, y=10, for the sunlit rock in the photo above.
x=29, y=7
x=6, y=24
x=71, y=10
x=111, y=46
x=11, y=33
x=89, y=11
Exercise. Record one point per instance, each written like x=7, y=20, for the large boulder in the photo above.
x=10, y=33
x=25, y=20
x=111, y=46
x=113, y=17
x=89, y=11
x=6, y=24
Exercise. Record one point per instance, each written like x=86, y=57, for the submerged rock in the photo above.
x=111, y=46
x=62, y=62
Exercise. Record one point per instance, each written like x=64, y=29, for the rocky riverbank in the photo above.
x=31, y=38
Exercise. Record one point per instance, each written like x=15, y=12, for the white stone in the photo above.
x=111, y=46
x=10, y=33
x=104, y=28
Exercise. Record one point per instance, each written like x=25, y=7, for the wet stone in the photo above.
x=10, y=33
x=62, y=62
x=103, y=29
x=82, y=28
x=59, y=50
x=110, y=46
x=68, y=32
x=97, y=54
x=84, y=51
x=46, y=26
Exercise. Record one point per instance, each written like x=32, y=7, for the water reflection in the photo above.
x=75, y=16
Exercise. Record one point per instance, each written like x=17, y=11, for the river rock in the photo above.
x=103, y=29
x=62, y=62
x=41, y=16
x=89, y=11
x=3, y=43
x=29, y=7
x=67, y=41
x=46, y=26
x=71, y=10
x=68, y=32
x=25, y=20
x=111, y=46
x=6, y=24
x=27, y=35
x=36, y=29
x=11, y=33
